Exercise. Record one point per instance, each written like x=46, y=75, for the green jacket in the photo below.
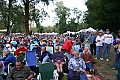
x=19, y=74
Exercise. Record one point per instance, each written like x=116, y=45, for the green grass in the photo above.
x=105, y=68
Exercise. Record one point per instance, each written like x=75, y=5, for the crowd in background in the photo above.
x=79, y=49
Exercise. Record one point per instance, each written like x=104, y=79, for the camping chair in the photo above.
x=31, y=61
x=1, y=78
x=46, y=71
x=50, y=49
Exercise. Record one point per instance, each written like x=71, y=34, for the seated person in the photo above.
x=20, y=51
x=11, y=48
x=76, y=67
x=87, y=57
x=9, y=58
x=20, y=72
x=58, y=58
x=37, y=49
x=44, y=55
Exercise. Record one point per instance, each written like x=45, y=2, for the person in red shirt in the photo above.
x=20, y=50
x=87, y=57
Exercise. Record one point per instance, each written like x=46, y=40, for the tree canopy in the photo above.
x=103, y=14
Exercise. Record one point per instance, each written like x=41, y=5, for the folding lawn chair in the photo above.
x=31, y=59
x=50, y=49
x=46, y=71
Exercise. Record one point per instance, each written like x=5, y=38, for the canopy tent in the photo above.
x=3, y=30
x=91, y=29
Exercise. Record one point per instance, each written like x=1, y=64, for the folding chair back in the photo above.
x=31, y=59
x=46, y=70
x=50, y=49
x=1, y=78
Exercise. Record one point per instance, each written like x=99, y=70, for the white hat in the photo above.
x=37, y=44
x=7, y=45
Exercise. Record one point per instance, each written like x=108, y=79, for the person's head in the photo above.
x=107, y=31
x=86, y=49
x=36, y=45
x=91, y=32
x=19, y=64
x=6, y=51
x=76, y=54
x=21, y=45
x=43, y=49
x=57, y=48
x=100, y=33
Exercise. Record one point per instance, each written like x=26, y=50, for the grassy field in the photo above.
x=105, y=68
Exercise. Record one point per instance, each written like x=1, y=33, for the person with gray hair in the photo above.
x=7, y=59
x=76, y=67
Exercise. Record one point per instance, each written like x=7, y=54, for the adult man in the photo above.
x=58, y=58
x=20, y=72
x=92, y=38
x=76, y=67
x=108, y=40
x=44, y=55
x=9, y=58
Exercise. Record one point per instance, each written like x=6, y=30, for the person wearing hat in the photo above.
x=116, y=44
x=108, y=40
x=37, y=49
x=99, y=44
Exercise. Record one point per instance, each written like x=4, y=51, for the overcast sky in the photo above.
x=80, y=4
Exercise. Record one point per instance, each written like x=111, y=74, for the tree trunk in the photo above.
x=27, y=17
x=9, y=17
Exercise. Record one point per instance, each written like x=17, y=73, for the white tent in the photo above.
x=91, y=29
x=3, y=30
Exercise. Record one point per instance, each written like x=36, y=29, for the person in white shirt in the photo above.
x=99, y=44
x=11, y=48
x=108, y=40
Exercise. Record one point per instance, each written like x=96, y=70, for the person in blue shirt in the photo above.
x=9, y=58
x=76, y=67
x=44, y=55
x=92, y=38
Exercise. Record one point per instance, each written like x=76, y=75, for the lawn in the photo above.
x=105, y=68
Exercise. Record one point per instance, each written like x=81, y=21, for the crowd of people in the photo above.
x=76, y=51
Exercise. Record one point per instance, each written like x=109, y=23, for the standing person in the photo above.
x=108, y=40
x=92, y=38
x=99, y=44
x=76, y=67
x=117, y=50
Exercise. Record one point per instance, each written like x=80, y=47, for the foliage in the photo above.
x=103, y=14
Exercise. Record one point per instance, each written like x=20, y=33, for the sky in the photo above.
x=80, y=4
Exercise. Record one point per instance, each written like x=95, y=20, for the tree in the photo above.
x=103, y=14
x=62, y=13
x=26, y=4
